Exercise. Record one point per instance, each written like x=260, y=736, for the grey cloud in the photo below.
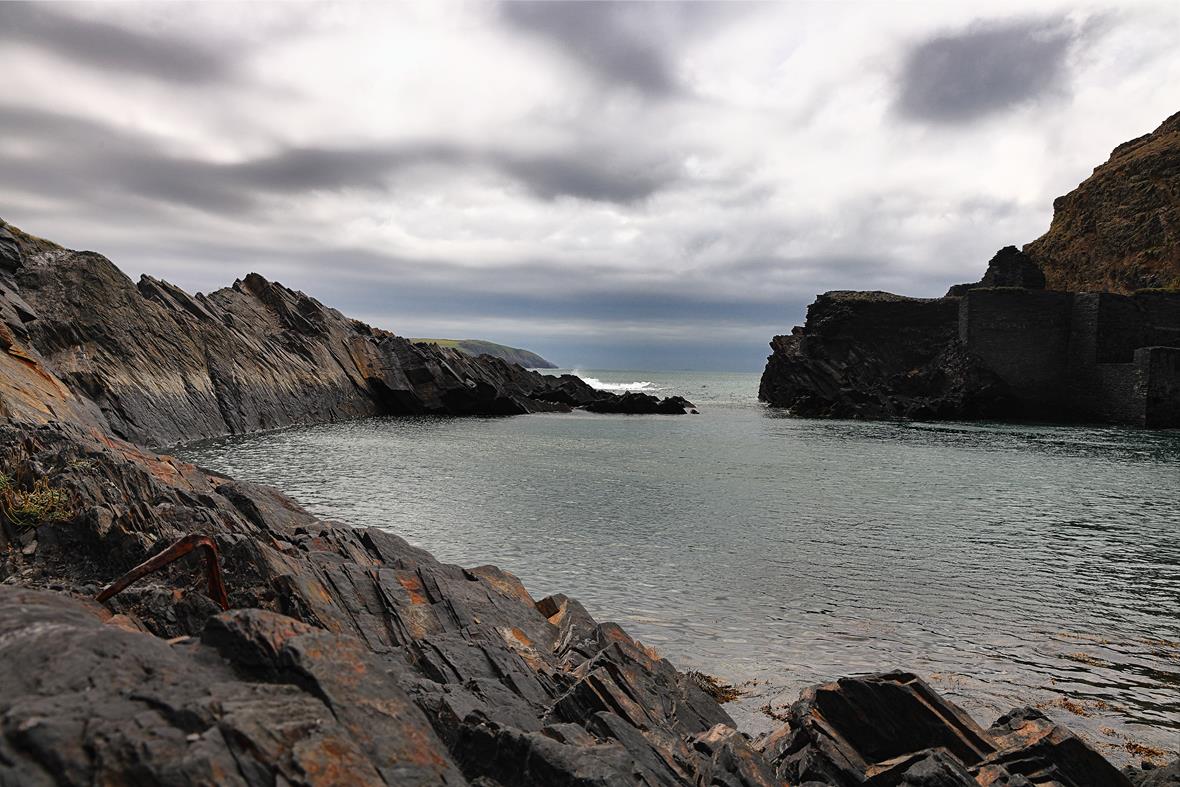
x=608, y=37
x=89, y=155
x=107, y=46
x=593, y=175
x=984, y=69
x=626, y=42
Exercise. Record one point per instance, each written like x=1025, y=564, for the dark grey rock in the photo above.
x=1010, y=267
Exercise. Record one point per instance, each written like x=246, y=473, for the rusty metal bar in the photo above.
x=171, y=554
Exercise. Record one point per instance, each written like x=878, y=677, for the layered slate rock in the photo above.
x=513, y=691
x=164, y=366
x=88, y=702
x=1119, y=230
x=893, y=729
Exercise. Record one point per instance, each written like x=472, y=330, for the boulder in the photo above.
x=894, y=729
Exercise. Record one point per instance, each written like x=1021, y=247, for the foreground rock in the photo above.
x=341, y=640
x=893, y=729
x=351, y=657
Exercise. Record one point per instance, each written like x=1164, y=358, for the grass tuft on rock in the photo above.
x=28, y=508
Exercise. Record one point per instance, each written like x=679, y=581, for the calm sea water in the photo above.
x=1009, y=564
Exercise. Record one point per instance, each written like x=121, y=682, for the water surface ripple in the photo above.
x=1009, y=564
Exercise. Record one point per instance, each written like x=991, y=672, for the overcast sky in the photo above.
x=612, y=185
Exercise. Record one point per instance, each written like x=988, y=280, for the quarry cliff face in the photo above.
x=1119, y=231
x=1079, y=327
x=988, y=352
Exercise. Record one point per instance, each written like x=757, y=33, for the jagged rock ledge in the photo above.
x=164, y=367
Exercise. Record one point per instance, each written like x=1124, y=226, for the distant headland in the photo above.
x=476, y=347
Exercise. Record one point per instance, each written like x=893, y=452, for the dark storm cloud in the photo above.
x=109, y=47
x=608, y=37
x=985, y=69
x=596, y=175
x=84, y=157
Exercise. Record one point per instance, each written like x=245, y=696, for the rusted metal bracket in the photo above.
x=170, y=555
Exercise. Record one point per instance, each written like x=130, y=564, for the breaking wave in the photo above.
x=642, y=385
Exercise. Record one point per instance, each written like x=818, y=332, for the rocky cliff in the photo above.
x=163, y=366
x=1051, y=333
x=286, y=650
x=1119, y=231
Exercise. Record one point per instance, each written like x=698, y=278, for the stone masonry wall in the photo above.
x=1022, y=336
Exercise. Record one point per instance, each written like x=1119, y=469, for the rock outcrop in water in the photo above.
x=1007, y=347
x=346, y=656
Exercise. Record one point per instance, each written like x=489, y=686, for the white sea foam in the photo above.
x=641, y=385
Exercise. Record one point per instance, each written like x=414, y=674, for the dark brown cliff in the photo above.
x=1119, y=231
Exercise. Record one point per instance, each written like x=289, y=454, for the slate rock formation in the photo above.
x=894, y=729
x=165, y=367
x=877, y=355
x=1119, y=231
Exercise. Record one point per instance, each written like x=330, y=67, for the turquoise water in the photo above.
x=1009, y=564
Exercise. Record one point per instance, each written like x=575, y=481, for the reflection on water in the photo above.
x=1010, y=564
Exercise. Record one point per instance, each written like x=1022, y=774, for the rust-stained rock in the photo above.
x=894, y=729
